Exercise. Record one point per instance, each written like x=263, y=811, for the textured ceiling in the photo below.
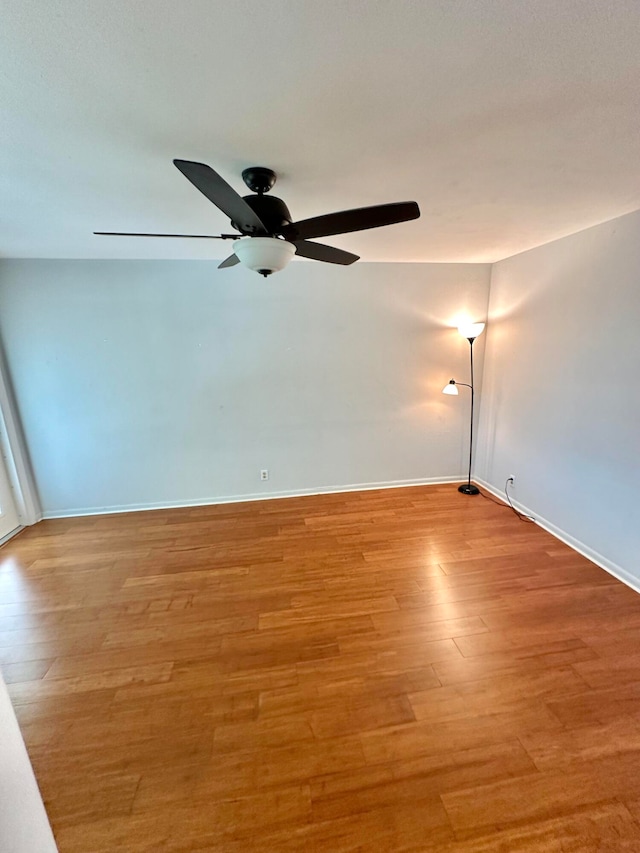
x=511, y=123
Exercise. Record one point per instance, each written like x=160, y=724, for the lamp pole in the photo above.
x=468, y=488
x=470, y=331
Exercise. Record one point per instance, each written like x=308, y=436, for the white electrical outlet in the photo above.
x=512, y=478
x=264, y=474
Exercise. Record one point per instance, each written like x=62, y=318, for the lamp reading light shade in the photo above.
x=264, y=255
x=450, y=387
x=471, y=330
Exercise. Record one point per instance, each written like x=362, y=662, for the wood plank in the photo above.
x=543, y=795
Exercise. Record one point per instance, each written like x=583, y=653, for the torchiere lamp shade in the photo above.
x=471, y=330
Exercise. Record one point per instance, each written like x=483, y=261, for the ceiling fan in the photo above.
x=267, y=238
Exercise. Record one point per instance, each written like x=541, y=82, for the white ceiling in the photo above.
x=511, y=122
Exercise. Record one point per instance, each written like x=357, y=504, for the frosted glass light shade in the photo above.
x=450, y=388
x=471, y=330
x=264, y=254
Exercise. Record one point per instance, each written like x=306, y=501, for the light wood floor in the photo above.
x=396, y=670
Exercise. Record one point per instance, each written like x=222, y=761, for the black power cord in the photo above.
x=520, y=515
x=529, y=519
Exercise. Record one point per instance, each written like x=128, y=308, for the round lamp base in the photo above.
x=469, y=489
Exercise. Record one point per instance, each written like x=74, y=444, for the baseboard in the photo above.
x=13, y=533
x=595, y=557
x=260, y=496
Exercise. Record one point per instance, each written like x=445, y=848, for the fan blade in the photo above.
x=231, y=261
x=358, y=219
x=218, y=191
x=320, y=252
x=182, y=236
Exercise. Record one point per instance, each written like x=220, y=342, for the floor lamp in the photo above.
x=470, y=331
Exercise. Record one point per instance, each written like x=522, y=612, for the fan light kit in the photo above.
x=264, y=254
x=267, y=238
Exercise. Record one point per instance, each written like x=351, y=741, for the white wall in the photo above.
x=144, y=383
x=24, y=826
x=561, y=399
